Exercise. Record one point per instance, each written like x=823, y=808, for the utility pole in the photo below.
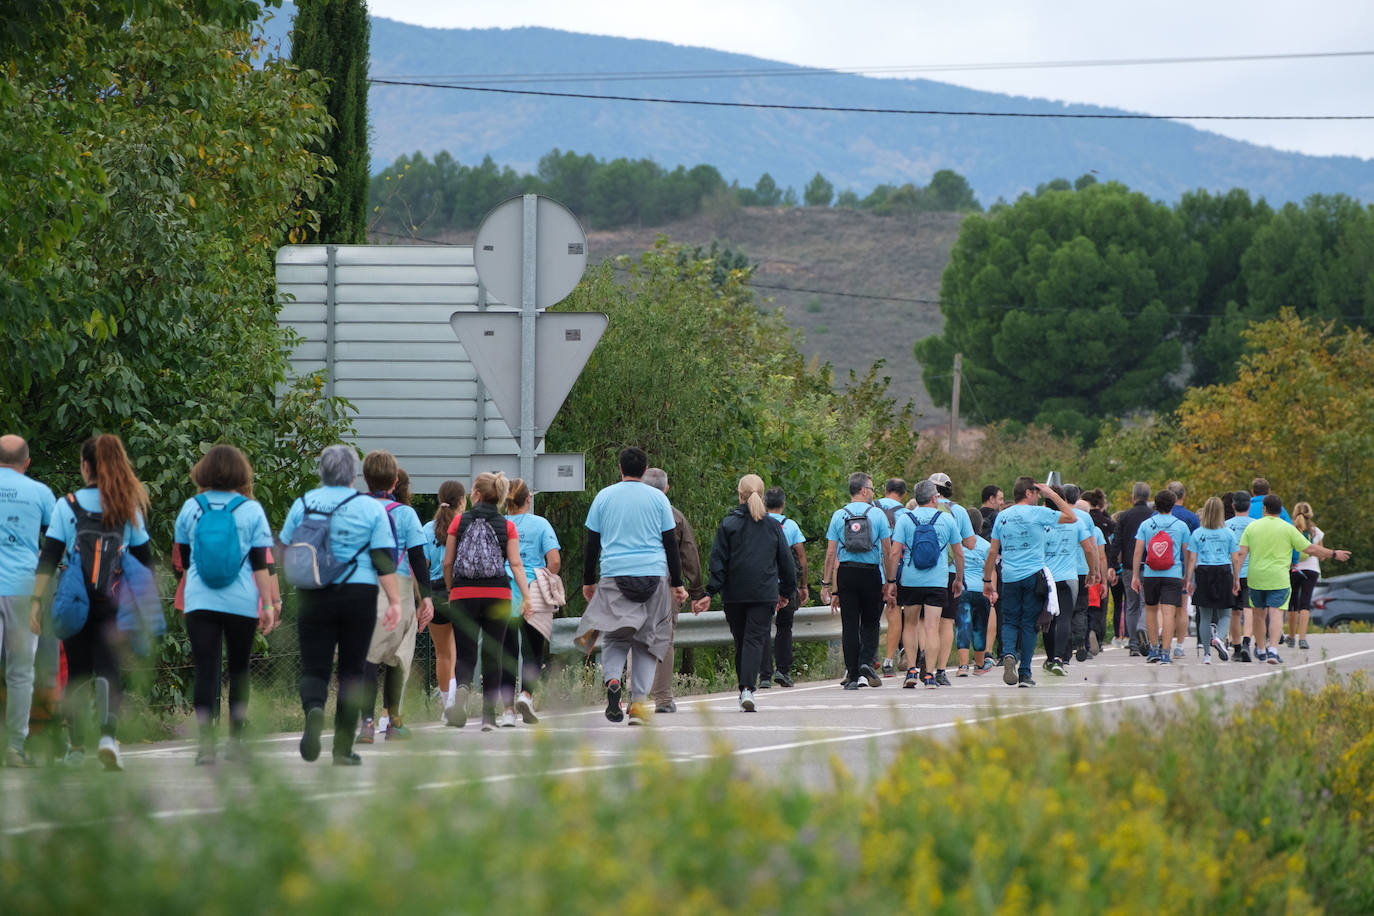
x=954, y=404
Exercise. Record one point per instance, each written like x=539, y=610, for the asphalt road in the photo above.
x=796, y=733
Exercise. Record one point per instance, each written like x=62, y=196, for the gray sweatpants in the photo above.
x=1135, y=612
x=20, y=646
x=643, y=666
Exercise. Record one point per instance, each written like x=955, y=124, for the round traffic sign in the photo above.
x=560, y=251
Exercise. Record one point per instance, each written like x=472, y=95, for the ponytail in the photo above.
x=452, y=498
x=1302, y=517
x=751, y=492
x=493, y=488
x=517, y=497
x=122, y=497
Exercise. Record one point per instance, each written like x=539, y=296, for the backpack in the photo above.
x=215, y=543
x=99, y=550
x=309, y=560
x=891, y=513
x=924, y=551
x=858, y=532
x=479, y=554
x=396, y=550
x=1159, y=551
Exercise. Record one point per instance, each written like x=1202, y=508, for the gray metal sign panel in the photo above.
x=565, y=341
x=560, y=261
x=552, y=473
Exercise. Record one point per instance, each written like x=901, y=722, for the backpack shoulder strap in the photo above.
x=78, y=510
x=238, y=500
x=203, y=503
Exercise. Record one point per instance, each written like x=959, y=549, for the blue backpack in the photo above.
x=215, y=544
x=924, y=551
x=309, y=561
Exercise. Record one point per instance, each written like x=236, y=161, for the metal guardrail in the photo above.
x=811, y=624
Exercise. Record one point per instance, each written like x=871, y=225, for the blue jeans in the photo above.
x=1021, y=608
x=971, y=622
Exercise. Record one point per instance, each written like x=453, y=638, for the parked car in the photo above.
x=1343, y=599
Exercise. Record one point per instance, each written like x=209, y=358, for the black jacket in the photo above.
x=750, y=560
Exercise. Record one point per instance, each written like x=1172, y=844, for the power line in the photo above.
x=845, y=109
x=743, y=72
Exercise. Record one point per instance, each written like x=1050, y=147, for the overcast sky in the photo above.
x=873, y=33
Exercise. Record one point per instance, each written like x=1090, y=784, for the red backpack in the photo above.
x=1159, y=551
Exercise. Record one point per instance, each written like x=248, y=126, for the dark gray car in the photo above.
x=1343, y=599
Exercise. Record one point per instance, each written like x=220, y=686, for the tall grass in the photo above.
x=1200, y=808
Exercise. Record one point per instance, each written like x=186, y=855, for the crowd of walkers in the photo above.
x=962, y=588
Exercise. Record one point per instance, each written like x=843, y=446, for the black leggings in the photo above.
x=489, y=617
x=860, y=590
x=532, y=648
x=211, y=633
x=93, y=658
x=1302, y=581
x=749, y=624
x=340, y=617
x=393, y=679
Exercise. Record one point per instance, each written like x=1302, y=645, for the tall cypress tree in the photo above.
x=331, y=37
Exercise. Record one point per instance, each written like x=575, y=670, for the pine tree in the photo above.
x=331, y=37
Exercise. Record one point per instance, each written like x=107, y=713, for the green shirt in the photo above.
x=1271, y=542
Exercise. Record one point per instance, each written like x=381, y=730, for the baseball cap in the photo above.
x=940, y=479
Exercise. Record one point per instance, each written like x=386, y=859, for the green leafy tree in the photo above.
x=847, y=200
x=818, y=192
x=331, y=38
x=766, y=191
x=1066, y=307
x=949, y=192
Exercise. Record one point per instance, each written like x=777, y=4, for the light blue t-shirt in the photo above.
x=1214, y=546
x=962, y=521
x=1020, y=530
x=791, y=531
x=946, y=529
x=1064, y=546
x=355, y=528
x=434, y=553
x=240, y=596
x=409, y=533
x=1086, y=533
x=878, y=525
x=975, y=558
x=631, y=517
x=1237, y=524
x=63, y=527
x=1177, y=529
x=25, y=510
x=537, y=538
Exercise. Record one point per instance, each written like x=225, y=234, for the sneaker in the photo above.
x=670, y=706
x=1164, y=659
x=1302, y=644
x=942, y=679
x=488, y=726
x=746, y=700
x=1154, y=657
x=962, y=672
x=928, y=680
x=867, y=673
x=1081, y=653
x=524, y=704
x=396, y=731
x=1178, y=652
x=765, y=682
x=1057, y=668
x=310, y=741
x=1046, y=664
x=613, y=710
x=1009, y=669
x=850, y=685
x=17, y=758
x=1026, y=681
x=456, y=716
x=1291, y=642
x=1207, y=659
x=844, y=681
x=350, y=759
x=888, y=670
x=988, y=663
x=913, y=677
x=1094, y=644
x=1243, y=653
x=1220, y=648
x=639, y=713
x=782, y=680
x=108, y=752
x=506, y=719
x=1272, y=658
x=74, y=757
x=367, y=734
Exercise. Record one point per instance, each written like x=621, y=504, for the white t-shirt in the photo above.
x=1307, y=561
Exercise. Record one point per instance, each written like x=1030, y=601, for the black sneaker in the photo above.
x=1009, y=669
x=1057, y=667
x=867, y=673
x=1081, y=653
x=1291, y=642
x=351, y=759
x=942, y=679
x=310, y=741
x=613, y=711
x=913, y=678
x=851, y=685
x=1243, y=654
x=928, y=680
x=782, y=680
x=1302, y=644
x=1026, y=681
x=765, y=682
x=668, y=707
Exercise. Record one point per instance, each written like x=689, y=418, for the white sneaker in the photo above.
x=524, y=704
x=746, y=700
x=108, y=752
x=456, y=713
x=506, y=720
x=1206, y=659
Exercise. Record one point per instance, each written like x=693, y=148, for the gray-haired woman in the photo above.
x=341, y=612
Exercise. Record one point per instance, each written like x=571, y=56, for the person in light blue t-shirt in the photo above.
x=971, y=626
x=1212, y=546
x=1240, y=598
x=1165, y=536
x=226, y=617
x=25, y=512
x=945, y=487
x=852, y=579
x=923, y=592
x=539, y=550
x=891, y=502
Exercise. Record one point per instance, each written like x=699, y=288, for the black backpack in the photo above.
x=98, y=549
x=858, y=532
